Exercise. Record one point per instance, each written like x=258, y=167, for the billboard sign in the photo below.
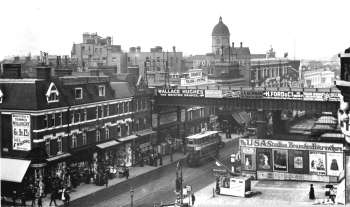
x=294, y=95
x=181, y=92
x=21, y=132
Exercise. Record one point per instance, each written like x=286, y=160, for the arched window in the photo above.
x=52, y=94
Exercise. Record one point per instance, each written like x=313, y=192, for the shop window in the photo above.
x=59, y=145
x=85, y=115
x=78, y=93
x=98, y=135
x=107, y=133
x=51, y=94
x=101, y=90
x=84, y=138
x=47, y=146
x=74, y=141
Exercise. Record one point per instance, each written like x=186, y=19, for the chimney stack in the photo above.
x=174, y=49
x=12, y=71
x=43, y=72
x=233, y=45
x=241, y=44
x=138, y=49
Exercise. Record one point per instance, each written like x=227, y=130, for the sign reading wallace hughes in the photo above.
x=181, y=92
x=21, y=132
x=265, y=143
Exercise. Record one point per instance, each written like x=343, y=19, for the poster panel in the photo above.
x=264, y=159
x=21, y=132
x=280, y=160
x=298, y=161
x=334, y=163
x=317, y=163
x=249, y=158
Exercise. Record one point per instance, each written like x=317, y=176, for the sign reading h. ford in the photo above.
x=181, y=92
x=295, y=95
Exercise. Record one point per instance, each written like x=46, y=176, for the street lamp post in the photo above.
x=131, y=197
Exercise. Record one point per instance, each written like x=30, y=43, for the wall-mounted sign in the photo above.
x=181, y=92
x=21, y=132
x=295, y=95
x=317, y=163
x=265, y=143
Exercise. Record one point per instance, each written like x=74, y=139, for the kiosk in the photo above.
x=234, y=186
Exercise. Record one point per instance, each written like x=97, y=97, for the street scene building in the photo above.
x=161, y=127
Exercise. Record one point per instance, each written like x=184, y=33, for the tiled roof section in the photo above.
x=240, y=51
x=122, y=90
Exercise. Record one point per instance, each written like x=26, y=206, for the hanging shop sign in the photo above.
x=334, y=164
x=265, y=143
x=21, y=132
x=181, y=92
x=317, y=163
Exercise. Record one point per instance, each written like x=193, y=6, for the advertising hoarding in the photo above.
x=248, y=158
x=298, y=161
x=317, y=163
x=181, y=92
x=264, y=159
x=21, y=132
x=280, y=160
x=334, y=163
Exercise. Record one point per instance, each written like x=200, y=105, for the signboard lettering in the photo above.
x=262, y=143
x=181, y=92
x=21, y=132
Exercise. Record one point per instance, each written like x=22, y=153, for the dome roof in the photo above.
x=220, y=29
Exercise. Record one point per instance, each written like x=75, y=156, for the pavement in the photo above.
x=84, y=190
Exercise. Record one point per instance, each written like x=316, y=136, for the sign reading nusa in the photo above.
x=21, y=132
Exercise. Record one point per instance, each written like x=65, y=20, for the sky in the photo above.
x=306, y=29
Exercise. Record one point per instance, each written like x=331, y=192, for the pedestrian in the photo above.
x=332, y=194
x=312, y=192
x=127, y=173
x=54, y=196
x=40, y=202
x=160, y=159
x=106, y=180
x=193, y=198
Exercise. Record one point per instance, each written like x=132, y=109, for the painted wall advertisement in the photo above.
x=249, y=160
x=264, y=159
x=298, y=161
x=317, y=163
x=280, y=160
x=334, y=164
x=21, y=132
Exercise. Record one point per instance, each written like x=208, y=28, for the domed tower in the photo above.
x=220, y=38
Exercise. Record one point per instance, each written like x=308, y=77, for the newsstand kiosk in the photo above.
x=234, y=186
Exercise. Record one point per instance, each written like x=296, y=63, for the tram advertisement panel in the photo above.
x=249, y=159
x=334, y=163
x=317, y=163
x=280, y=159
x=298, y=161
x=264, y=159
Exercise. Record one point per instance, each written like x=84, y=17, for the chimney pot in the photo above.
x=241, y=44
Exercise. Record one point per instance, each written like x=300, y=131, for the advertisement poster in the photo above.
x=334, y=163
x=249, y=161
x=280, y=160
x=128, y=154
x=318, y=163
x=264, y=159
x=298, y=161
x=21, y=132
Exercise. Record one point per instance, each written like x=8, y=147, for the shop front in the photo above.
x=146, y=146
x=125, y=153
x=291, y=160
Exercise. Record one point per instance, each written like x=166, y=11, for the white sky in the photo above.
x=313, y=28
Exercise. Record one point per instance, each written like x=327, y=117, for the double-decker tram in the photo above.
x=202, y=146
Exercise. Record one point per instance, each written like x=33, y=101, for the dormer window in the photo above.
x=51, y=94
x=101, y=90
x=78, y=93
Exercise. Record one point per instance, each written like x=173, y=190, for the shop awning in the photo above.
x=13, y=170
x=61, y=156
x=107, y=144
x=128, y=138
x=145, y=132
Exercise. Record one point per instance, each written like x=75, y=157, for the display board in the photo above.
x=298, y=161
x=248, y=158
x=264, y=159
x=317, y=163
x=280, y=160
x=334, y=164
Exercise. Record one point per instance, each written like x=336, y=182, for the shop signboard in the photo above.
x=297, y=145
x=264, y=159
x=298, y=161
x=21, y=132
x=317, y=163
x=249, y=159
x=213, y=94
x=280, y=160
x=293, y=95
x=181, y=92
x=334, y=164
x=231, y=94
